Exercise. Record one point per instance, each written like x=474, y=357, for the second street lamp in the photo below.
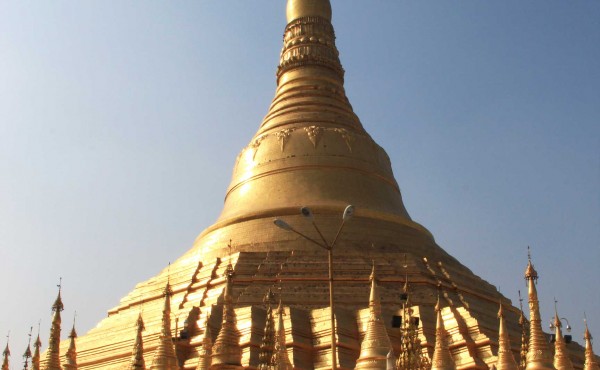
x=306, y=212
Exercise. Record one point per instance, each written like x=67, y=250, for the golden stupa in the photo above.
x=310, y=150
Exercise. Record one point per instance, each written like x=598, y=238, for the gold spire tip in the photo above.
x=308, y=8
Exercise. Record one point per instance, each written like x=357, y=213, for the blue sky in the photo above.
x=120, y=123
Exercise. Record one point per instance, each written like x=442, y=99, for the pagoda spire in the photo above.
x=267, y=347
x=539, y=356
x=165, y=357
x=137, y=355
x=590, y=359
x=71, y=355
x=411, y=353
x=227, y=353
x=441, y=359
x=524, y=324
x=6, y=354
x=53, y=351
x=281, y=360
x=205, y=352
x=376, y=345
x=37, y=345
x=506, y=359
x=27, y=354
x=561, y=357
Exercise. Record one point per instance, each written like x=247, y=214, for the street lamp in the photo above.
x=307, y=213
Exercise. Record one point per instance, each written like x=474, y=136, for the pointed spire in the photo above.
x=53, y=351
x=524, y=324
x=376, y=344
x=441, y=359
x=27, y=353
x=267, y=347
x=72, y=351
x=561, y=357
x=5, y=355
x=37, y=345
x=137, y=354
x=590, y=359
x=205, y=352
x=411, y=355
x=281, y=360
x=227, y=353
x=165, y=357
x=539, y=356
x=506, y=359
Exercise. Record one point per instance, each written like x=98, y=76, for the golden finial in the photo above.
x=506, y=359
x=71, y=355
x=267, y=347
x=411, y=355
x=37, y=345
x=137, y=354
x=441, y=359
x=227, y=353
x=165, y=357
x=590, y=359
x=53, y=351
x=539, y=356
x=27, y=354
x=308, y=8
x=6, y=354
x=281, y=360
x=561, y=357
x=524, y=336
x=376, y=345
x=205, y=352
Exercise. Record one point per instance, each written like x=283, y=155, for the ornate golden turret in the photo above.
x=137, y=355
x=281, y=360
x=267, y=347
x=539, y=356
x=5, y=355
x=35, y=359
x=71, y=355
x=376, y=345
x=53, y=351
x=411, y=355
x=27, y=353
x=441, y=359
x=205, y=352
x=165, y=357
x=590, y=358
x=524, y=324
x=506, y=358
x=227, y=353
x=561, y=357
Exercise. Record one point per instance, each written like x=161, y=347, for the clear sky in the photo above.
x=120, y=123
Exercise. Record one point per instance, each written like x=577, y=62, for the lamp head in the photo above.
x=348, y=213
x=306, y=212
x=282, y=224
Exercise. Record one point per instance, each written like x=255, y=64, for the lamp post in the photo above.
x=306, y=212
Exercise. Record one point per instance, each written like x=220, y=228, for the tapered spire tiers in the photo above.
x=205, y=352
x=53, y=351
x=35, y=359
x=5, y=355
x=539, y=356
x=506, y=358
x=71, y=356
x=590, y=359
x=524, y=324
x=411, y=355
x=281, y=360
x=441, y=359
x=137, y=357
x=27, y=354
x=226, y=353
x=267, y=347
x=376, y=345
x=561, y=356
x=165, y=357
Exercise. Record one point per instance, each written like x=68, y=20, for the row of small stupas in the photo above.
x=376, y=352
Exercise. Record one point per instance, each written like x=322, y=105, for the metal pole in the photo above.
x=333, y=339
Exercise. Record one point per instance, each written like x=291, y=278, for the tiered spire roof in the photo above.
x=137, y=355
x=281, y=360
x=590, y=358
x=205, y=352
x=165, y=357
x=27, y=353
x=411, y=355
x=506, y=359
x=35, y=359
x=441, y=359
x=267, y=347
x=71, y=355
x=539, y=356
x=5, y=355
x=227, y=353
x=53, y=351
x=561, y=357
x=376, y=345
x=524, y=324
